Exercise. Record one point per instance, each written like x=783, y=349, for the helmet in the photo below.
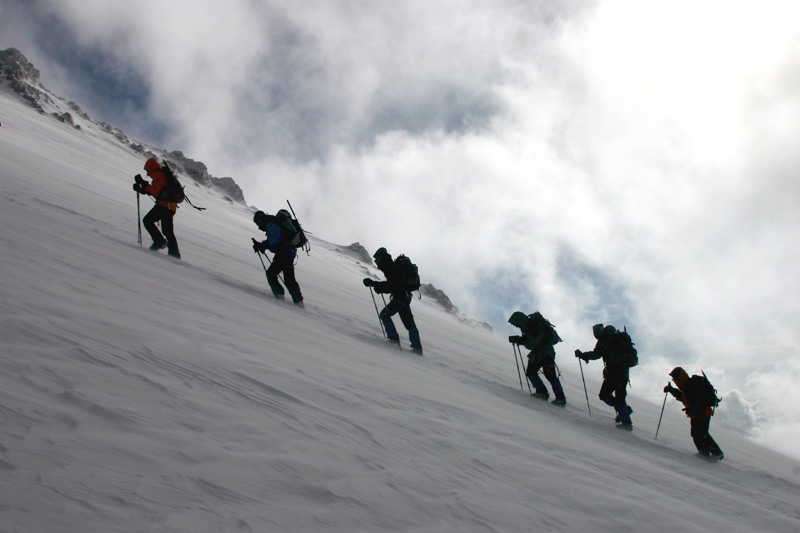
x=151, y=165
x=597, y=330
x=518, y=319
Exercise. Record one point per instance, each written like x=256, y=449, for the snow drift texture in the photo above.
x=139, y=393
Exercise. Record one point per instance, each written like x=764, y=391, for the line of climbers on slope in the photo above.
x=284, y=236
x=619, y=355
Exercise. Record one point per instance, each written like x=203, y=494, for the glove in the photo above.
x=514, y=339
x=578, y=354
x=672, y=390
x=138, y=187
x=368, y=282
x=258, y=247
x=140, y=180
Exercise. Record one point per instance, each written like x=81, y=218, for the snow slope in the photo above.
x=140, y=393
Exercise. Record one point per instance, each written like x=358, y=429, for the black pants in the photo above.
x=546, y=362
x=399, y=305
x=702, y=440
x=614, y=389
x=164, y=215
x=285, y=265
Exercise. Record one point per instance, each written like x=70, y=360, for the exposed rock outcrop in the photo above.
x=23, y=78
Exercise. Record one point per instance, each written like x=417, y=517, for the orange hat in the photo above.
x=151, y=165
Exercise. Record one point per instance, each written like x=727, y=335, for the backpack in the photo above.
x=295, y=237
x=409, y=271
x=551, y=337
x=173, y=190
x=625, y=346
x=701, y=392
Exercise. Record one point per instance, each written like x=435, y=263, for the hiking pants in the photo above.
x=614, y=390
x=285, y=265
x=162, y=214
x=545, y=362
x=615, y=386
x=702, y=440
x=401, y=306
x=613, y=393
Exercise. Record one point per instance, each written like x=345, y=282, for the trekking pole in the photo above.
x=307, y=246
x=262, y=262
x=584, y=388
x=662, y=413
x=527, y=381
x=514, y=347
x=377, y=312
x=139, y=218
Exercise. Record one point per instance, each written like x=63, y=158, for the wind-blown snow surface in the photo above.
x=139, y=393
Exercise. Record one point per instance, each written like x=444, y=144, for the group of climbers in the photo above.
x=614, y=347
x=283, y=237
x=616, y=350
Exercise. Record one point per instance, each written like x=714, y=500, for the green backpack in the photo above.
x=551, y=337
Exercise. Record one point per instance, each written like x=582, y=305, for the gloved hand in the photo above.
x=368, y=282
x=138, y=187
x=578, y=354
x=514, y=339
x=258, y=247
x=672, y=390
x=140, y=180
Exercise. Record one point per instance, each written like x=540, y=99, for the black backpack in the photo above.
x=552, y=337
x=173, y=190
x=295, y=237
x=700, y=392
x=625, y=346
x=409, y=271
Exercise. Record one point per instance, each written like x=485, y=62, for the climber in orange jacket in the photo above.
x=163, y=211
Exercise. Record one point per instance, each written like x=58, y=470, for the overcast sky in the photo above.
x=625, y=162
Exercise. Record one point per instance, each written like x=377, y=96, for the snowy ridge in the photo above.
x=23, y=78
x=139, y=393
